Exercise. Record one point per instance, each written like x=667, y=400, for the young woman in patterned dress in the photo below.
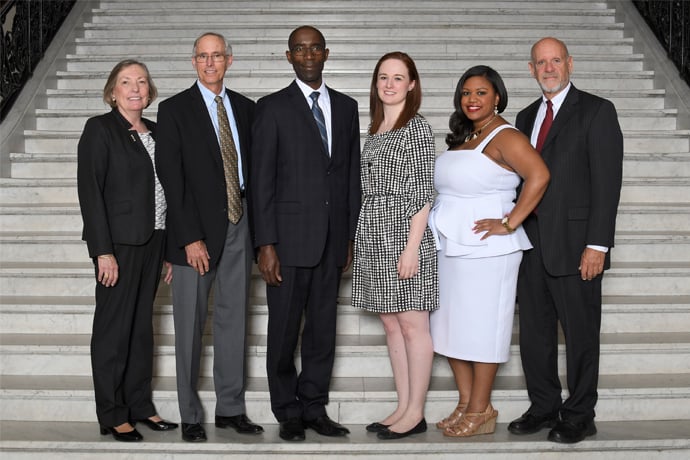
x=395, y=258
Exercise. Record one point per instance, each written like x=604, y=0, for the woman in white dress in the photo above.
x=476, y=224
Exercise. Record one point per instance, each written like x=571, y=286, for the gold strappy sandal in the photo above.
x=474, y=423
x=453, y=418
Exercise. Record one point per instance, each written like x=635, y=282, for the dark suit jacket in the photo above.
x=115, y=182
x=299, y=193
x=584, y=153
x=190, y=168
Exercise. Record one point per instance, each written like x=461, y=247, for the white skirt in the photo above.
x=477, y=304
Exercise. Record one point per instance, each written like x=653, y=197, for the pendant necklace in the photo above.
x=475, y=134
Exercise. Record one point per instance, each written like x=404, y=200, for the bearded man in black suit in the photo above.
x=572, y=232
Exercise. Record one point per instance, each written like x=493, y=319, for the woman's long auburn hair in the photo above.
x=413, y=101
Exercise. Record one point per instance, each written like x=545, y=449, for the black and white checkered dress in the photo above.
x=397, y=181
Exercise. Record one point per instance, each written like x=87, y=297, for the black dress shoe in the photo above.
x=528, y=423
x=568, y=432
x=376, y=427
x=240, y=423
x=292, y=430
x=388, y=434
x=193, y=432
x=130, y=436
x=326, y=427
x=161, y=425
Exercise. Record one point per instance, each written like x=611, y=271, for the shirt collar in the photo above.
x=208, y=95
x=307, y=90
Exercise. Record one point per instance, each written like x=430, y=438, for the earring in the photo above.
x=495, y=110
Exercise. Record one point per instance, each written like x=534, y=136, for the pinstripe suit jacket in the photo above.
x=584, y=153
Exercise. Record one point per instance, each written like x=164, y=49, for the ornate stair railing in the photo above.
x=26, y=29
x=670, y=22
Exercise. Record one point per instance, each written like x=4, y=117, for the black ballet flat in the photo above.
x=161, y=425
x=130, y=436
x=376, y=427
x=387, y=434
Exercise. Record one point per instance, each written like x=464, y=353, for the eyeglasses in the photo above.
x=301, y=50
x=216, y=57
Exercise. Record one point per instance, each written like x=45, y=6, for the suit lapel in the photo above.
x=301, y=105
x=207, y=132
x=336, y=112
x=133, y=135
x=564, y=113
x=527, y=123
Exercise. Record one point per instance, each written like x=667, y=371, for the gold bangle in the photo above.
x=506, y=225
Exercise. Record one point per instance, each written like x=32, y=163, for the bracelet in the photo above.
x=506, y=225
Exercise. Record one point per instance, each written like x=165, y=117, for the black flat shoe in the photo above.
x=376, y=427
x=130, y=436
x=387, y=434
x=161, y=425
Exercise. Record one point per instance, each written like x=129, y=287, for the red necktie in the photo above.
x=545, y=126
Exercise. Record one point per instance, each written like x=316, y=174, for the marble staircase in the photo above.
x=46, y=279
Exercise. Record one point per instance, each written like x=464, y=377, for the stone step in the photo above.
x=656, y=190
x=413, y=45
x=64, y=165
x=651, y=246
x=55, y=247
x=375, y=31
x=653, y=217
x=661, y=163
x=40, y=190
x=351, y=59
x=34, y=191
x=43, y=165
x=192, y=17
x=77, y=279
x=357, y=356
x=631, y=440
x=664, y=119
x=636, y=141
x=627, y=397
x=434, y=98
x=271, y=81
x=51, y=247
x=364, y=62
x=39, y=217
x=350, y=5
x=74, y=315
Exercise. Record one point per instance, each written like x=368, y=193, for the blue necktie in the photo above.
x=320, y=120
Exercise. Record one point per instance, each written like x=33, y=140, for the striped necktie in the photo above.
x=320, y=120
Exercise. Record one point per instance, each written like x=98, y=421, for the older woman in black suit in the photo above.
x=123, y=208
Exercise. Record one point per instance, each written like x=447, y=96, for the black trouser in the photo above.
x=122, y=339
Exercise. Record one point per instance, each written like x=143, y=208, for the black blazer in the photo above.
x=115, y=183
x=190, y=168
x=299, y=193
x=584, y=153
